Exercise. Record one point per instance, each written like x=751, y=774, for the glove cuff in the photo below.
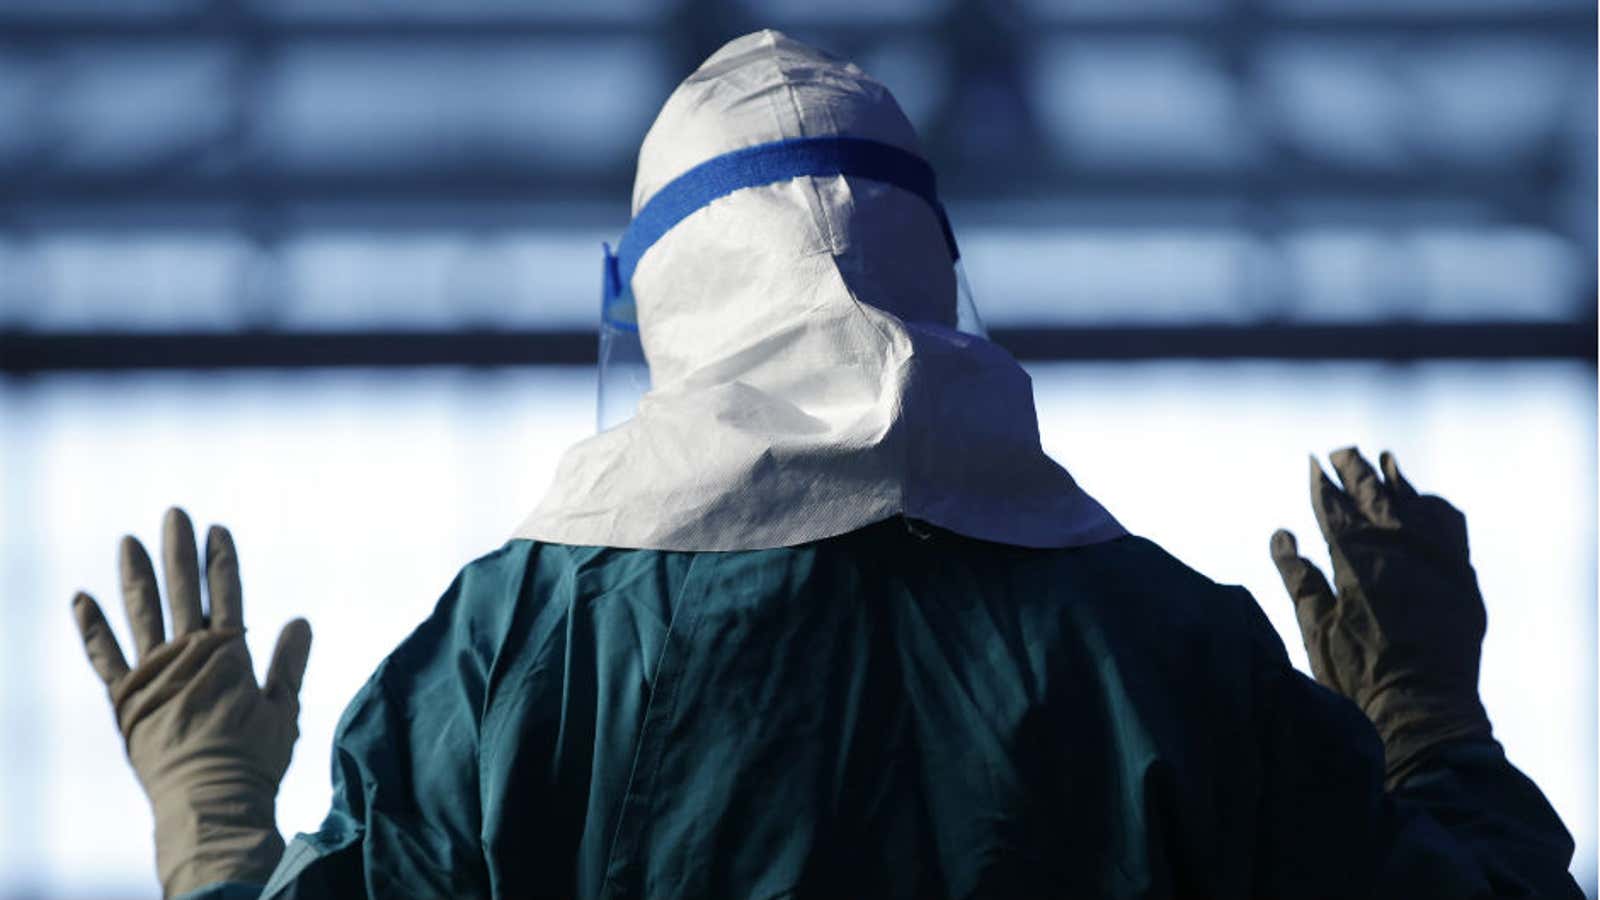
x=1413, y=731
x=215, y=834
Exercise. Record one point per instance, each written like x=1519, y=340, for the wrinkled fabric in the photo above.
x=897, y=712
x=210, y=750
x=224, y=890
x=807, y=377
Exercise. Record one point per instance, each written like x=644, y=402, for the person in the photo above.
x=820, y=618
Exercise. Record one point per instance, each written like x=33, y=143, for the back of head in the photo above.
x=807, y=372
x=761, y=260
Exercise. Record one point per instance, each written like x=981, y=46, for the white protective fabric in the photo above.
x=806, y=378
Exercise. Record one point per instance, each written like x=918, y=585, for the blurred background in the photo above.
x=327, y=271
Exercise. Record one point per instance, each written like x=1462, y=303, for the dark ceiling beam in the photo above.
x=33, y=354
x=489, y=183
x=1575, y=24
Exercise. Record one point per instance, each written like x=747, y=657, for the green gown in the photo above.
x=895, y=712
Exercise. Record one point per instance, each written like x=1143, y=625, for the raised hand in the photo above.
x=207, y=743
x=1400, y=632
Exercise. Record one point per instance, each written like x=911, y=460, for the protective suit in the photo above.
x=821, y=619
x=808, y=376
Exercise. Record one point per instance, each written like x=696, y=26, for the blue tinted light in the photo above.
x=1125, y=102
x=575, y=103
x=116, y=107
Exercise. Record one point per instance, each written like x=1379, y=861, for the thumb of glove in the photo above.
x=287, y=669
x=1314, y=602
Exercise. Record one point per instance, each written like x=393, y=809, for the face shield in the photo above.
x=624, y=376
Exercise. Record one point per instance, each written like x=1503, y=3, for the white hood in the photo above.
x=806, y=378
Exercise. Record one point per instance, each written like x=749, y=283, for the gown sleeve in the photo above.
x=405, y=818
x=1467, y=824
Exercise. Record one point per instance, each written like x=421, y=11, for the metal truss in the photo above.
x=982, y=44
x=26, y=354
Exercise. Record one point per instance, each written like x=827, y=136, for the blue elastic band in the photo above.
x=766, y=164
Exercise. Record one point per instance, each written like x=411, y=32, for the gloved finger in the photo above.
x=222, y=579
x=182, y=571
x=1335, y=511
x=141, y=596
x=1396, y=482
x=1361, y=482
x=288, y=666
x=1314, y=601
x=1313, y=598
x=105, y=655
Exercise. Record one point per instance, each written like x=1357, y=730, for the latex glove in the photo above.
x=1403, y=633
x=208, y=745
